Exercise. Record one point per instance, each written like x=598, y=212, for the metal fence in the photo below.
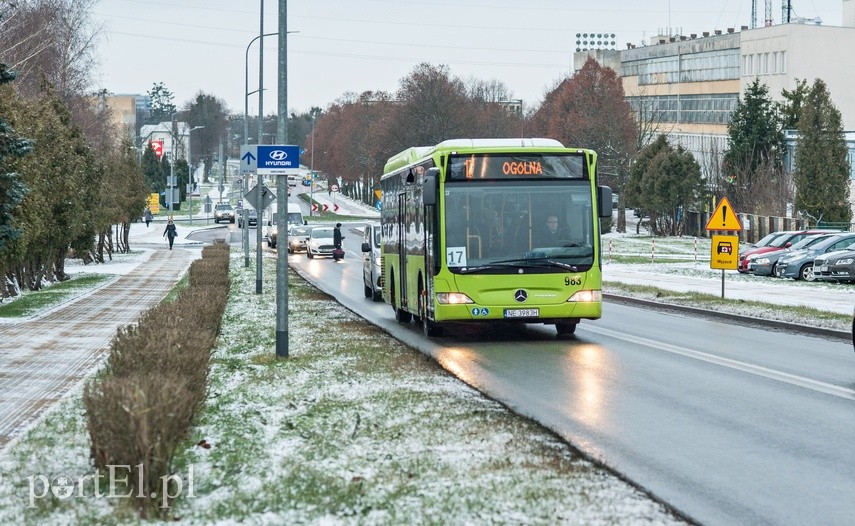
x=755, y=227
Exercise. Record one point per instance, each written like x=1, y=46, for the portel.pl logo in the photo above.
x=117, y=480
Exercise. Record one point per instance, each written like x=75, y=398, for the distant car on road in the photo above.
x=320, y=242
x=224, y=212
x=371, y=261
x=252, y=218
x=297, y=238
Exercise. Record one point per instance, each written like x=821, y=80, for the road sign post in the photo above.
x=725, y=248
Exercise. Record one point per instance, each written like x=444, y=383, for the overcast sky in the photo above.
x=340, y=46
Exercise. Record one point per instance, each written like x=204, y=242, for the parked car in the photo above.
x=371, y=269
x=835, y=266
x=320, y=242
x=224, y=212
x=786, y=239
x=252, y=217
x=297, y=238
x=765, y=264
x=799, y=264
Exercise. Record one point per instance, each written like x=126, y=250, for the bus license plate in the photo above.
x=522, y=313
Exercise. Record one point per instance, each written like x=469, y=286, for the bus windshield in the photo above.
x=546, y=225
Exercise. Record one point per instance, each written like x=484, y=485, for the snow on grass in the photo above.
x=353, y=428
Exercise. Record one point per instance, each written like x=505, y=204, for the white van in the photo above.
x=371, y=261
x=295, y=217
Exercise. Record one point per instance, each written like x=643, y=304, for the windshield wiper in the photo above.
x=552, y=262
x=472, y=270
x=536, y=262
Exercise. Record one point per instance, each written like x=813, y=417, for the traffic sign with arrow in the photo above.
x=248, y=158
x=267, y=196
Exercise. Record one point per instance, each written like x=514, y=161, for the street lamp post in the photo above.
x=245, y=213
x=171, y=185
x=190, y=171
x=312, y=170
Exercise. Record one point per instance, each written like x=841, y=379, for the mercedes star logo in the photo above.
x=278, y=155
x=520, y=295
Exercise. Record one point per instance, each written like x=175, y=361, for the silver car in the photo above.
x=320, y=242
x=298, y=236
x=224, y=212
x=371, y=277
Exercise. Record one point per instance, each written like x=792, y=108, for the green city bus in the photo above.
x=467, y=233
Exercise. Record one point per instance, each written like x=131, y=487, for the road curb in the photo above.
x=737, y=318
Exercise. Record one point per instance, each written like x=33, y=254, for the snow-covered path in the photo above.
x=43, y=358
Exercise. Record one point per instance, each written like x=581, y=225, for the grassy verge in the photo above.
x=353, y=428
x=787, y=313
x=33, y=302
x=356, y=428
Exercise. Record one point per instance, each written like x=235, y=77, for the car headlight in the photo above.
x=452, y=298
x=587, y=296
x=762, y=261
x=847, y=261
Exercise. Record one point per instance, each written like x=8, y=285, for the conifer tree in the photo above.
x=822, y=167
x=12, y=190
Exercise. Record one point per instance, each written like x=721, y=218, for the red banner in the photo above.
x=157, y=146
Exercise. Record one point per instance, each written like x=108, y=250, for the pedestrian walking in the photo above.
x=170, y=232
x=147, y=217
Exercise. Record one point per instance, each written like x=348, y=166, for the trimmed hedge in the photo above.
x=155, y=381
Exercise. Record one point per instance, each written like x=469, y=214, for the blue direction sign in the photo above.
x=248, y=158
x=275, y=159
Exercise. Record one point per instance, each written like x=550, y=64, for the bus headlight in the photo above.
x=452, y=298
x=587, y=296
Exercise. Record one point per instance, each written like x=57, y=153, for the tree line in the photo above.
x=355, y=135
x=72, y=184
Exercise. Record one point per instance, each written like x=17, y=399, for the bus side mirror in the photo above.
x=429, y=186
x=604, y=201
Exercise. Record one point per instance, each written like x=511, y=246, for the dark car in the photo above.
x=786, y=239
x=766, y=264
x=798, y=264
x=835, y=266
x=224, y=212
x=252, y=217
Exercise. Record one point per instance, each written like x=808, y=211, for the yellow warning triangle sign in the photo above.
x=724, y=218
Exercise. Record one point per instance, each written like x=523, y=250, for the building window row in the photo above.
x=773, y=63
x=686, y=109
x=695, y=67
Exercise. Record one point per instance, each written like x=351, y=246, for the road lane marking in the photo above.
x=759, y=370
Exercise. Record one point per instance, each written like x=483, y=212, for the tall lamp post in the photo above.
x=245, y=233
x=312, y=170
x=190, y=171
x=171, y=185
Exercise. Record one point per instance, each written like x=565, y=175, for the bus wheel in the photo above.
x=429, y=328
x=401, y=316
x=565, y=328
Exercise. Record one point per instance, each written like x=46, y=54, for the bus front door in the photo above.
x=402, y=249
